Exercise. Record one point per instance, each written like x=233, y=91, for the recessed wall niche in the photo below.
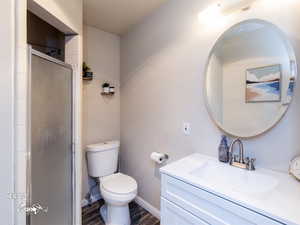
x=44, y=37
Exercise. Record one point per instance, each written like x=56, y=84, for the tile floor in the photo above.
x=139, y=216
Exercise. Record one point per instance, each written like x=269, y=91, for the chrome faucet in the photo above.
x=239, y=160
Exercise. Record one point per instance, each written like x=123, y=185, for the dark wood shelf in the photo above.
x=87, y=78
x=107, y=94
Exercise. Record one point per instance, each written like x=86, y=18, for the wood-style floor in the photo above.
x=139, y=216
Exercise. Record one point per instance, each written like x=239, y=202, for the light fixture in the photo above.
x=211, y=15
x=231, y=6
x=216, y=13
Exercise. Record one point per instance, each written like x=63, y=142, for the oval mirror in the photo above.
x=250, y=78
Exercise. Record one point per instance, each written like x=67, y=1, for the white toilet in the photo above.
x=117, y=189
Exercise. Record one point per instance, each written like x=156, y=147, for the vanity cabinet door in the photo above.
x=171, y=214
x=209, y=207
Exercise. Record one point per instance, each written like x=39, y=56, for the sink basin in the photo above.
x=239, y=180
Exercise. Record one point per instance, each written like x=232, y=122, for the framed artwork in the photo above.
x=263, y=84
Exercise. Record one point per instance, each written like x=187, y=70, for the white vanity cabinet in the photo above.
x=200, y=190
x=184, y=204
x=175, y=215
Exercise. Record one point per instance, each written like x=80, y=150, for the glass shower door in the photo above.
x=50, y=174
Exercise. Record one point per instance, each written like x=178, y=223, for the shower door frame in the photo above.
x=32, y=52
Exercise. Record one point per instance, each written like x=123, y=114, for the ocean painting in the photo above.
x=263, y=84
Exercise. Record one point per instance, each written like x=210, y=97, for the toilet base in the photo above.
x=103, y=212
x=115, y=215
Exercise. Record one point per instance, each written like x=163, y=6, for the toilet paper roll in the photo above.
x=158, y=157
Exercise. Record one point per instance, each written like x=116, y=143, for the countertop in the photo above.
x=281, y=202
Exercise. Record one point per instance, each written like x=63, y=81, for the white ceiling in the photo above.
x=117, y=16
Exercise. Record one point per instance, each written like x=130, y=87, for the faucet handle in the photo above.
x=250, y=164
x=247, y=161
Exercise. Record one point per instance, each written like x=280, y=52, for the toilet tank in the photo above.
x=102, y=158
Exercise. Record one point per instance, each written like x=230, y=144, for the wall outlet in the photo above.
x=186, y=128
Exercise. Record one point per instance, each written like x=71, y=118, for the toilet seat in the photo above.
x=119, y=184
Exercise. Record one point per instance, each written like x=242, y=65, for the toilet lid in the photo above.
x=119, y=183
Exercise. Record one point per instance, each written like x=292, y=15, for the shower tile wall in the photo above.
x=20, y=106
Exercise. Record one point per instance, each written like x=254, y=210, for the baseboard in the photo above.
x=146, y=205
x=94, y=198
x=84, y=203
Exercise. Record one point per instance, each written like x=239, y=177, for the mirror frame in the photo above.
x=288, y=45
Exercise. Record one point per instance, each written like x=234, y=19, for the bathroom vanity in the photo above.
x=200, y=190
x=249, y=85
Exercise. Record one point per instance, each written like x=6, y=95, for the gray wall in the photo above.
x=100, y=114
x=162, y=72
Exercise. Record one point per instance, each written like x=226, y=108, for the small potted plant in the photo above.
x=106, y=87
x=87, y=74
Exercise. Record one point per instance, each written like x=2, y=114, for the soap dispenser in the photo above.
x=224, y=150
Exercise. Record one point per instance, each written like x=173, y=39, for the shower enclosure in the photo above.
x=50, y=172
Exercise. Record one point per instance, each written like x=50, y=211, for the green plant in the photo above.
x=105, y=85
x=85, y=68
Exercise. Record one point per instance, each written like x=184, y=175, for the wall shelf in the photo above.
x=107, y=94
x=87, y=78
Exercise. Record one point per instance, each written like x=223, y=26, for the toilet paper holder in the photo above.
x=159, y=157
x=166, y=156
